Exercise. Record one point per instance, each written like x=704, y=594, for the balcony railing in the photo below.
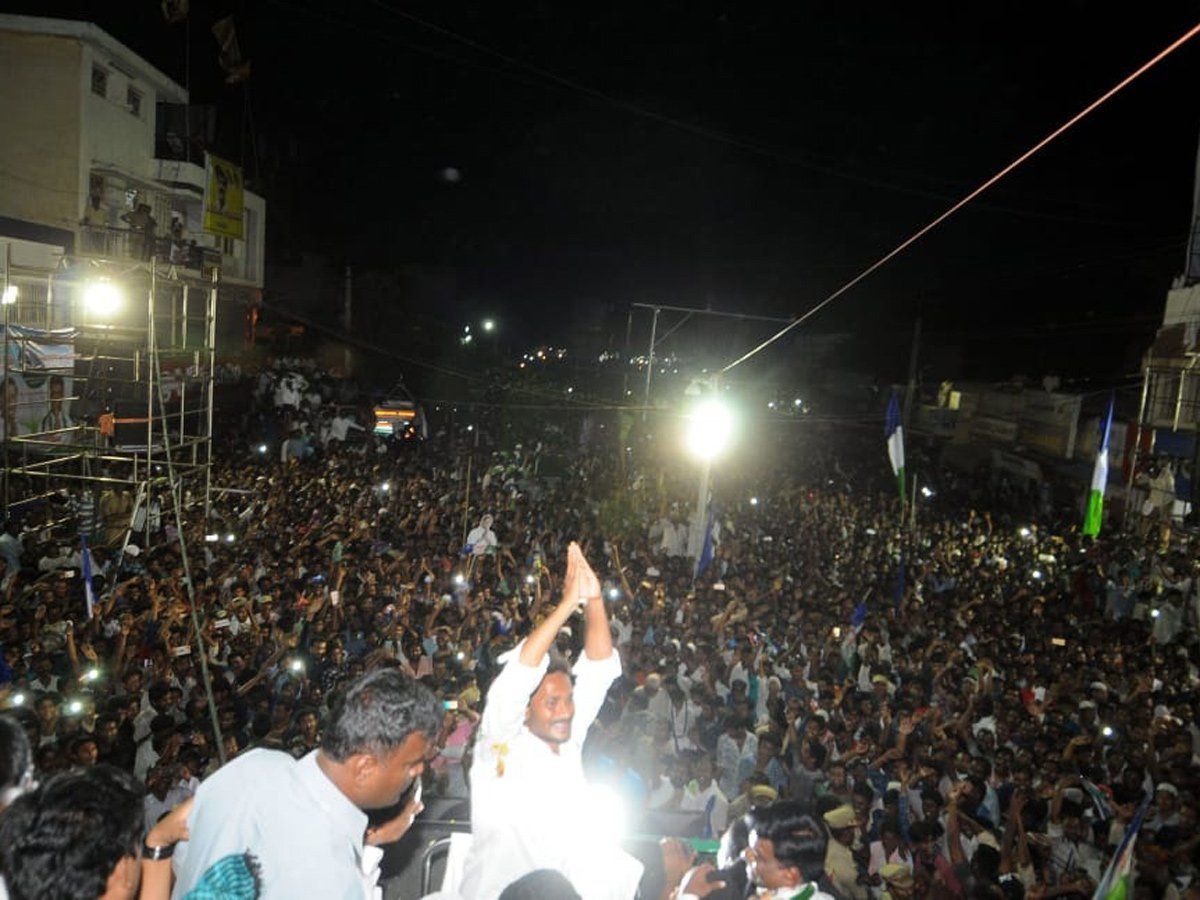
x=127, y=244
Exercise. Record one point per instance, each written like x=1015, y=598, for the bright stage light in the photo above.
x=709, y=429
x=102, y=298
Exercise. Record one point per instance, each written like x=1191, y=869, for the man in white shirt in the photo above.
x=703, y=795
x=304, y=819
x=530, y=806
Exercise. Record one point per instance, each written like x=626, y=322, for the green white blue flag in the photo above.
x=1095, y=507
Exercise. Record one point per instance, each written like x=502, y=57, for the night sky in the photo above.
x=742, y=155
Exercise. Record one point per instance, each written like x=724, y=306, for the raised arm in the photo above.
x=508, y=695
x=598, y=643
x=542, y=637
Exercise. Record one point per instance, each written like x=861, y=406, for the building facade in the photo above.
x=98, y=160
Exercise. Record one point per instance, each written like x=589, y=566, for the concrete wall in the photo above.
x=40, y=175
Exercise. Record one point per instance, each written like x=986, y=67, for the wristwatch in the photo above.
x=157, y=853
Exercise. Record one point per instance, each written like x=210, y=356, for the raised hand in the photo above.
x=588, y=583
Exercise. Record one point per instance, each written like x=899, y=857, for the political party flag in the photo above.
x=230, y=58
x=89, y=592
x=894, y=431
x=1117, y=883
x=1095, y=506
x=706, y=551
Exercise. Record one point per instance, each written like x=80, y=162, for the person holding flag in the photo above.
x=89, y=590
x=1095, y=505
x=1117, y=882
x=894, y=434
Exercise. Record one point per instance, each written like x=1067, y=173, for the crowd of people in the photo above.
x=860, y=705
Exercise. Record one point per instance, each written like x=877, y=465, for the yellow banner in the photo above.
x=223, y=210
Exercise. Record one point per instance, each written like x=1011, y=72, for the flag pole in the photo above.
x=913, y=504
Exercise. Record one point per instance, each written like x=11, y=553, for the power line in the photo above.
x=917, y=235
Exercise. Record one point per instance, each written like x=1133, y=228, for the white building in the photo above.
x=81, y=113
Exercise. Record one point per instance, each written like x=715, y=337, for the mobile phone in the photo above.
x=837, y=631
x=451, y=705
x=182, y=650
x=334, y=597
x=221, y=623
x=1058, y=642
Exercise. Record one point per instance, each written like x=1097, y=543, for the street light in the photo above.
x=709, y=429
x=489, y=325
x=102, y=298
x=708, y=432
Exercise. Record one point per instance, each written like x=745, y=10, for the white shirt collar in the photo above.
x=347, y=817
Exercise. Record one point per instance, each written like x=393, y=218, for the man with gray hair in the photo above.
x=304, y=820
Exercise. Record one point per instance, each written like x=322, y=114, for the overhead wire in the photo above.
x=946, y=214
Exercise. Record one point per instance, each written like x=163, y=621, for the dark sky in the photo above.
x=808, y=138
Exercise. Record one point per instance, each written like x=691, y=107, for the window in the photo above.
x=99, y=81
x=133, y=99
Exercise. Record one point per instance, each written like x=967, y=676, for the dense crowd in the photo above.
x=973, y=704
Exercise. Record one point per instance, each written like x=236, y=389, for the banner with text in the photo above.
x=224, y=211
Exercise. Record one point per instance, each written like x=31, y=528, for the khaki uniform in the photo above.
x=843, y=872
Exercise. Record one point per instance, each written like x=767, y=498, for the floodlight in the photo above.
x=102, y=298
x=709, y=429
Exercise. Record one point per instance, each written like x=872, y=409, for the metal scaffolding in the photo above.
x=135, y=345
x=1169, y=408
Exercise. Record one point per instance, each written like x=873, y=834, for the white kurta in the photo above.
x=531, y=807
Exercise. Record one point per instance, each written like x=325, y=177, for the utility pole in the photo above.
x=912, y=375
x=691, y=311
x=625, y=357
x=650, y=359
x=347, y=318
x=698, y=533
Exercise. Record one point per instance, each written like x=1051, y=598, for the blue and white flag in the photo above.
x=89, y=593
x=706, y=551
x=894, y=432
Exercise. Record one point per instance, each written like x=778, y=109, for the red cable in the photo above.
x=916, y=236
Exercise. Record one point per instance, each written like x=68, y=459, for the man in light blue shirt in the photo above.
x=304, y=820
